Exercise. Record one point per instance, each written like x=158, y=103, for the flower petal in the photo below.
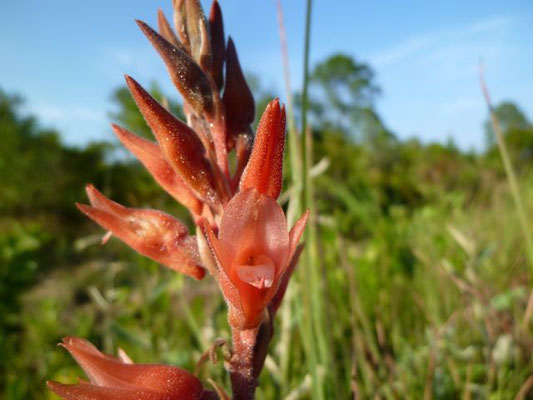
x=253, y=227
x=149, y=154
x=150, y=232
x=216, y=259
x=218, y=43
x=186, y=74
x=109, y=375
x=84, y=391
x=238, y=99
x=260, y=275
x=255, y=222
x=296, y=233
x=166, y=31
x=284, y=281
x=179, y=143
x=264, y=170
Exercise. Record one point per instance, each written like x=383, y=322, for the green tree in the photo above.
x=343, y=94
x=518, y=135
x=510, y=116
x=35, y=166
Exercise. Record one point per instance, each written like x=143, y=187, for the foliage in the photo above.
x=342, y=94
x=511, y=118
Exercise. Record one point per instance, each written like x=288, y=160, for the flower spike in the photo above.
x=152, y=233
x=264, y=171
x=242, y=236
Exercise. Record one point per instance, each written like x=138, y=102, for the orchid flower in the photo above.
x=253, y=249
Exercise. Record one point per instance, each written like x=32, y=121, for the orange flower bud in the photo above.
x=112, y=378
x=264, y=170
x=166, y=31
x=198, y=34
x=185, y=73
x=218, y=43
x=181, y=146
x=238, y=99
x=149, y=154
x=150, y=232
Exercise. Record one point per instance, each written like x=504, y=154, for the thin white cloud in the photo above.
x=123, y=57
x=58, y=114
x=461, y=105
x=463, y=38
x=491, y=24
x=401, y=51
x=141, y=62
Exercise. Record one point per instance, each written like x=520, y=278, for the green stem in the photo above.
x=312, y=314
x=304, y=92
x=511, y=176
x=515, y=192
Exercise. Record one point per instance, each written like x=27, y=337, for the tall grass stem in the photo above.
x=511, y=179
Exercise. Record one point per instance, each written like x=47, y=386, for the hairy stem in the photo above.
x=241, y=366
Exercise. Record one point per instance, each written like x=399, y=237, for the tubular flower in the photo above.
x=118, y=379
x=251, y=254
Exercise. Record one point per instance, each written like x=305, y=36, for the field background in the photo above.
x=416, y=282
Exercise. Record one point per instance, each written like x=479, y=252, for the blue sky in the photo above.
x=65, y=57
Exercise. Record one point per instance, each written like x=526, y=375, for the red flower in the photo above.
x=118, y=379
x=250, y=256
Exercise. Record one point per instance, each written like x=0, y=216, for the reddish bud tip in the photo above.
x=150, y=155
x=185, y=73
x=166, y=31
x=180, y=145
x=238, y=99
x=264, y=170
x=218, y=43
x=113, y=379
x=152, y=233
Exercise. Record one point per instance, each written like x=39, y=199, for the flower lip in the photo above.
x=257, y=271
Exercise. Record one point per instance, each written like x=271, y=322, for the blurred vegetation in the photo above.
x=425, y=285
